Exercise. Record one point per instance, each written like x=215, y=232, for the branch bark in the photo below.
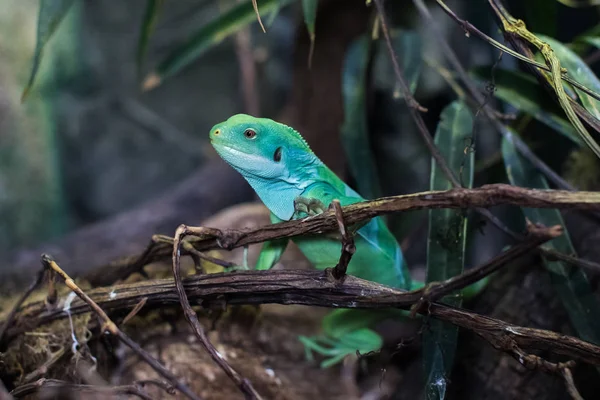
x=484, y=196
x=314, y=288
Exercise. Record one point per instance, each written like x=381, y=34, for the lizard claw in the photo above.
x=308, y=207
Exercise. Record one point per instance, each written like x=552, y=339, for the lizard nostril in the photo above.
x=217, y=132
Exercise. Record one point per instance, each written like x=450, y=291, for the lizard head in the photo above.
x=260, y=147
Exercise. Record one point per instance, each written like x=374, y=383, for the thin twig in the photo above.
x=571, y=388
x=192, y=251
x=9, y=320
x=44, y=384
x=348, y=247
x=537, y=235
x=155, y=382
x=413, y=106
x=553, y=255
x=135, y=310
x=110, y=326
x=243, y=384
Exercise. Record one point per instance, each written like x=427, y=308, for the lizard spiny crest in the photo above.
x=296, y=134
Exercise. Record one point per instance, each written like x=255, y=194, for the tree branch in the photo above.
x=484, y=196
x=318, y=288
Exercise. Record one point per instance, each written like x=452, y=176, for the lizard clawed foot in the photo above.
x=308, y=207
x=335, y=350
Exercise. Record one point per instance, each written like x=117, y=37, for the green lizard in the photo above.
x=294, y=183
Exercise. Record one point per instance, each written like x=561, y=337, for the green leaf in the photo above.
x=150, y=18
x=207, y=37
x=594, y=41
x=355, y=130
x=275, y=12
x=524, y=93
x=407, y=46
x=309, y=7
x=580, y=3
x=447, y=242
x=50, y=15
x=570, y=282
x=578, y=70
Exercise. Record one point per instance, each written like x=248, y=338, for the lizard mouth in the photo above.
x=235, y=156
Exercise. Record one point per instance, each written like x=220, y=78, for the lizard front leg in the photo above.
x=308, y=207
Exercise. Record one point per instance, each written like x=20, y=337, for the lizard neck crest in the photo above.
x=296, y=134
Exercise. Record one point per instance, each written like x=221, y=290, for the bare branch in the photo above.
x=243, y=384
x=320, y=288
x=485, y=196
x=348, y=247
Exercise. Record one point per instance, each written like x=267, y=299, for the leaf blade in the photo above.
x=557, y=56
x=447, y=243
x=309, y=8
x=151, y=14
x=50, y=15
x=570, y=283
x=579, y=70
x=355, y=131
x=206, y=37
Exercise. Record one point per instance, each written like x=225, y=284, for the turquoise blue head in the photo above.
x=260, y=147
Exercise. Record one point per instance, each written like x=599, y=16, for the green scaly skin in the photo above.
x=293, y=183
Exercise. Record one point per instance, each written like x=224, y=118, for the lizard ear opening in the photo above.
x=277, y=155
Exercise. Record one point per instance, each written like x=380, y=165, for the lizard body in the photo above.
x=294, y=183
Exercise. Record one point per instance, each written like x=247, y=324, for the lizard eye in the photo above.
x=277, y=155
x=250, y=134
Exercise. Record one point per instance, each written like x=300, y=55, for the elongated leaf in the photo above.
x=570, y=283
x=580, y=3
x=593, y=40
x=447, y=242
x=50, y=15
x=208, y=36
x=524, y=93
x=577, y=69
x=275, y=12
x=309, y=7
x=407, y=46
x=355, y=131
x=150, y=17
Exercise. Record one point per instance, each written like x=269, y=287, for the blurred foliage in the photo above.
x=32, y=203
x=87, y=144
